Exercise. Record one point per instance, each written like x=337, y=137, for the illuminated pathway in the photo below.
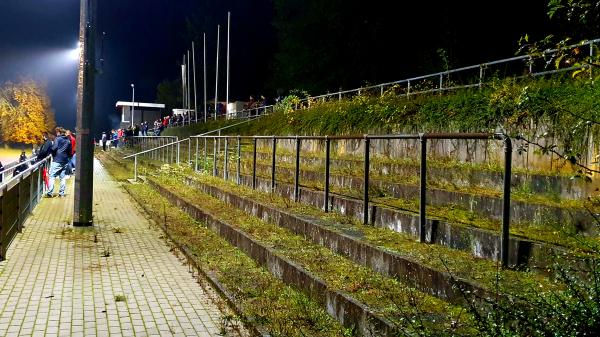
x=118, y=278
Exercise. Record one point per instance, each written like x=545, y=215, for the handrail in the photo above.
x=19, y=202
x=421, y=137
x=17, y=163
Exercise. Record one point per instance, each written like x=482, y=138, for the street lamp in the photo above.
x=132, y=102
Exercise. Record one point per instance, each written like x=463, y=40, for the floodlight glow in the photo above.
x=75, y=53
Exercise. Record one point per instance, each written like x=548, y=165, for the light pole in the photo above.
x=132, y=102
x=84, y=168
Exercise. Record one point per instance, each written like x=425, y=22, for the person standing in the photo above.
x=46, y=148
x=72, y=161
x=61, y=151
x=104, y=140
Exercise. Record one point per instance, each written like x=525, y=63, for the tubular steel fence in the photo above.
x=203, y=155
x=19, y=195
x=474, y=76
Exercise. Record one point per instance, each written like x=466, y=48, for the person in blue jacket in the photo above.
x=61, y=153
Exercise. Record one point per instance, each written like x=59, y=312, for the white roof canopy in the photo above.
x=140, y=105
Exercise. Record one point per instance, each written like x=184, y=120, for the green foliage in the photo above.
x=169, y=94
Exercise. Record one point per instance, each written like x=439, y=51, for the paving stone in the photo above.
x=57, y=282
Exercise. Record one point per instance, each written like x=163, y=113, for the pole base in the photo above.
x=82, y=224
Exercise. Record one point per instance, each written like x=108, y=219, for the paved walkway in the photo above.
x=118, y=278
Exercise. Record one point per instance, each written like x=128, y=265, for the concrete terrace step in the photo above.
x=452, y=173
x=371, y=312
x=373, y=248
x=523, y=212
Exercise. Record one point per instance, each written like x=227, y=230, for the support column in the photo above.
x=84, y=170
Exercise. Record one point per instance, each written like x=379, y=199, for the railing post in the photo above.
x=178, y=153
x=226, y=161
x=196, y=157
x=423, y=188
x=254, y=165
x=327, y=163
x=297, y=172
x=135, y=168
x=205, y=154
x=366, y=181
x=189, y=150
x=215, y=156
x=441, y=83
x=273, y=164
x=480, y=76
x=408, y=90
x=530, y=65
x=239, y=160
x=591, y=55
x=506, y=201
x=381, y=90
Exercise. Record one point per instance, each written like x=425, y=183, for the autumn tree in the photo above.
x=25, y=112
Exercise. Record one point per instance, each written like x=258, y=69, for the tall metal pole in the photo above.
x=132, y=102
x=205, y=98
x=189, y=101
x=84, y=170
x=195, y=91
x=183, y=83
x=217, y=72
x=227, y=90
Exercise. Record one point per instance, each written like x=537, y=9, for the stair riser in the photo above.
x=344, y=308
x=480, y=243
x=575, y=220
x=427, y=280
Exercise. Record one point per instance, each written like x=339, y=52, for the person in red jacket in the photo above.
x=71, y=138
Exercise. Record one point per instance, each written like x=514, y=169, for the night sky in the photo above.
x=145, y=41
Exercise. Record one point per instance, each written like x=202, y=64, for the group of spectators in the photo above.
x=60, y=145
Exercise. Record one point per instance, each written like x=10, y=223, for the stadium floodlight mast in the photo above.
x=132, y=103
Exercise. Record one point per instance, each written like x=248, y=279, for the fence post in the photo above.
x=196, y=157
x=239, y=160
x=408, y=90
x=214, y=156
x=591, y=55
x=273, y=164
x=226, y=161
x=178, y=153
x=506, y=201
x=480, y=76
x=297, y=172
x=254, y=165
x=366, y=181
x=441, y=83
x=423, y=188
x=327, y=160
x=135, y=168
x=205, y=166
x=189, y=151
x=382, y=90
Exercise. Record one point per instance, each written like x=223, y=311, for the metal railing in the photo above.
x=19, y=195
x=441, y=81
x=366, y=139
x=10, y=168
x=168, y=148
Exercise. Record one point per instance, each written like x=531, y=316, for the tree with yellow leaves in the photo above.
x=25, y=112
